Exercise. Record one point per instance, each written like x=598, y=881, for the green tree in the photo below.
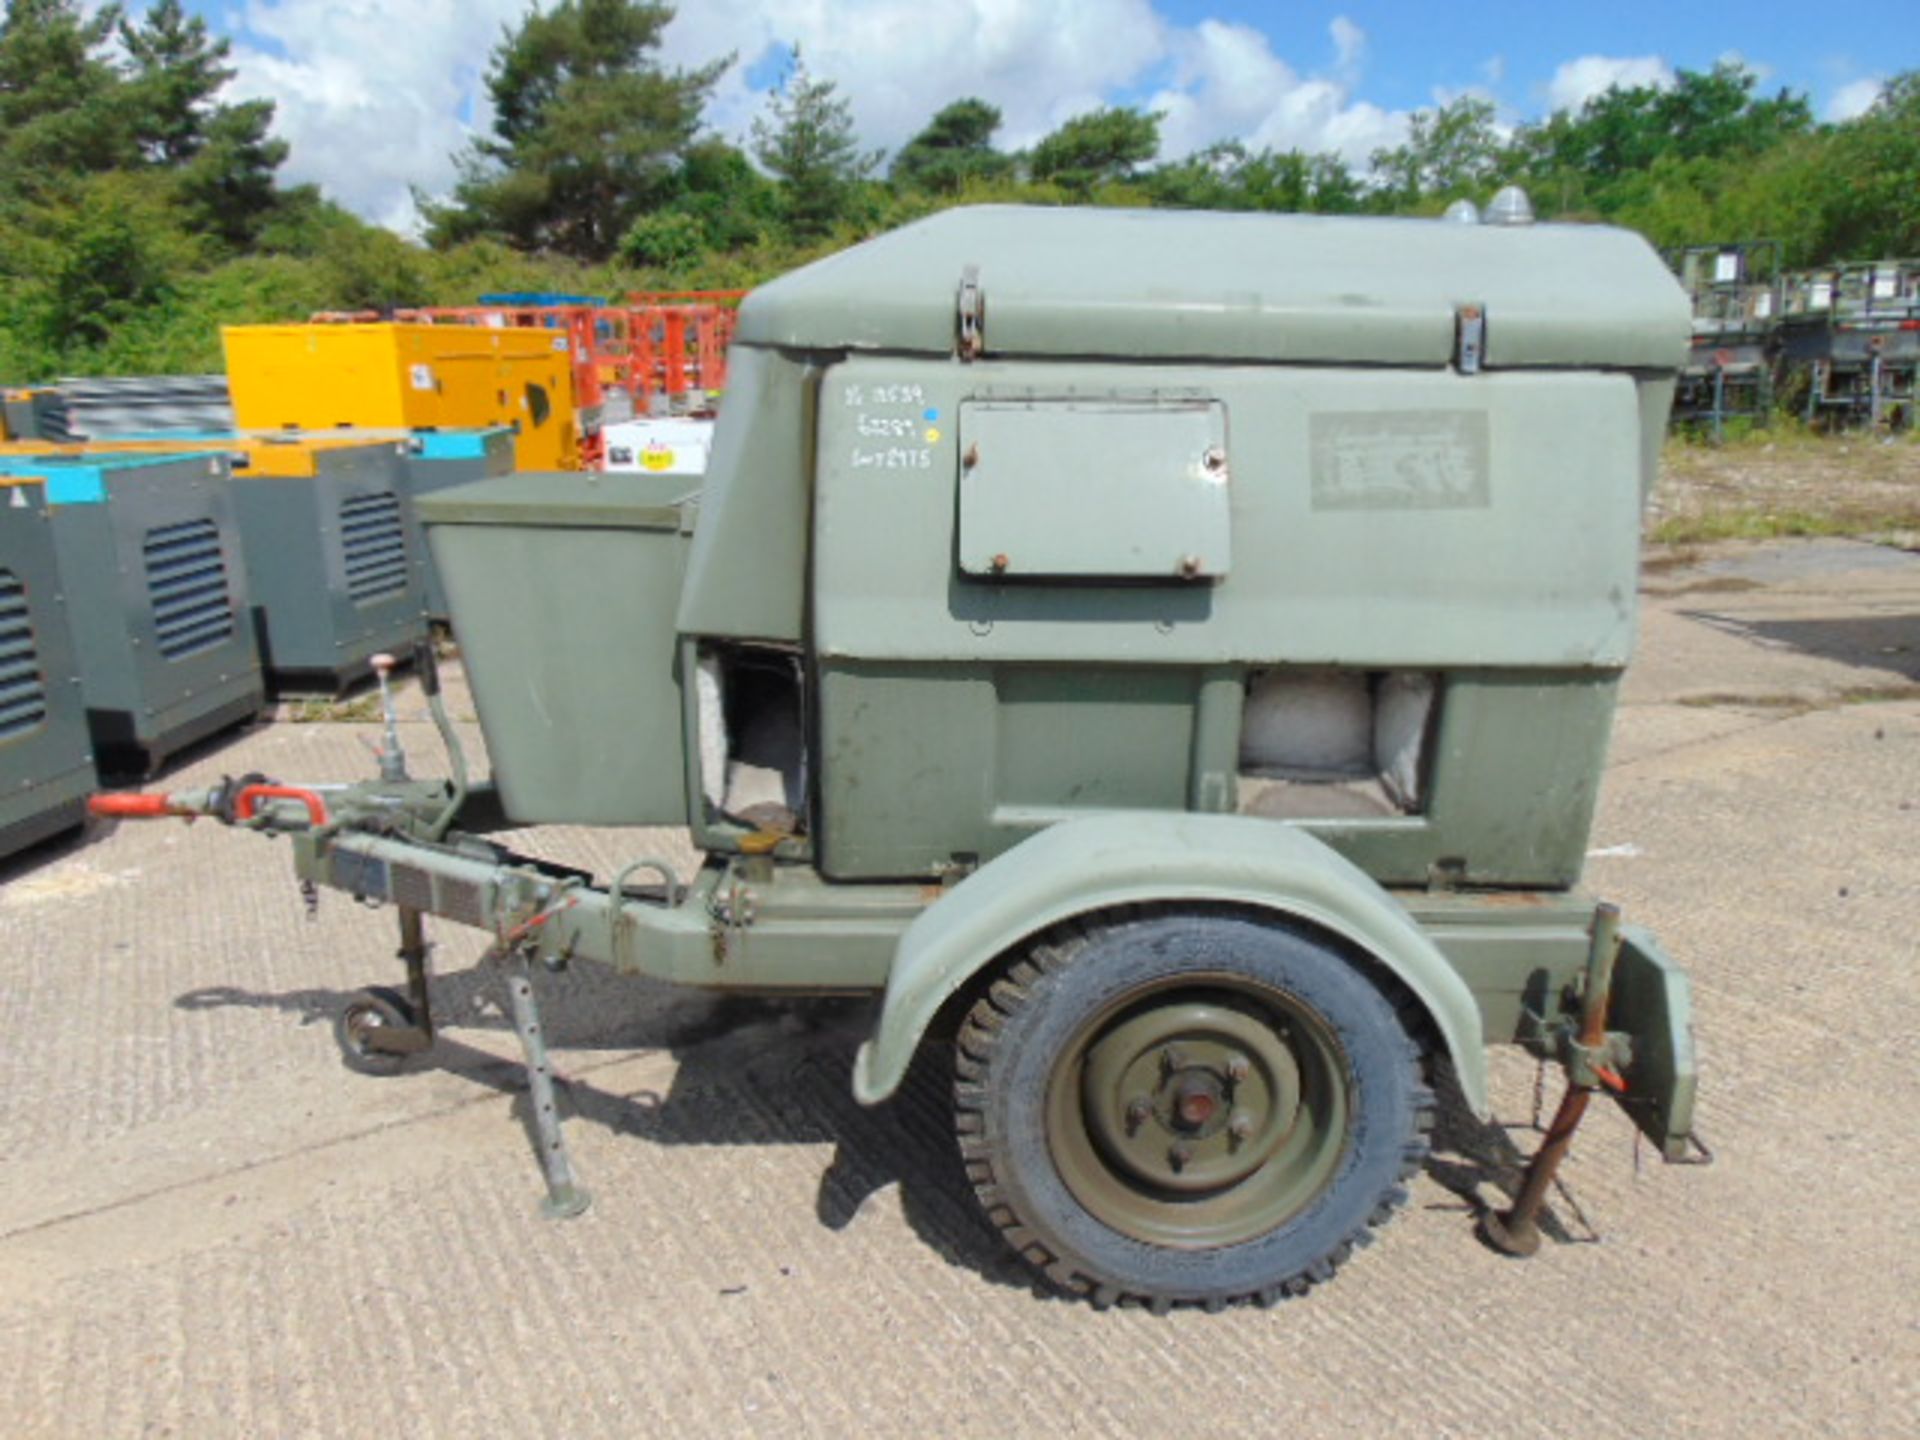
x=806, y=142
x=1227, y=176
x=1104, y=147
x=720, y=204
x=588, y=130
x=174, y=71
x=955, y=147
x=225, y=155
x=1601, y=157
x=229, y=184
x=61, y=107
x=1871, y=178
x=1450, y=151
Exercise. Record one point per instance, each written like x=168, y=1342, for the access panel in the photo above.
x=1094, y=489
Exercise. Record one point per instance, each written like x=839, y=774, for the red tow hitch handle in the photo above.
x=248, y=799
x=134, y=807
x=190, y=803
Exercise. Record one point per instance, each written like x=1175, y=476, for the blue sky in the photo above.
x=1415, y=47
x=375, y=96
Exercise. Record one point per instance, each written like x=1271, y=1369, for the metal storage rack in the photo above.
x=156, y=598
x=1737, y=296
x=1855, y=330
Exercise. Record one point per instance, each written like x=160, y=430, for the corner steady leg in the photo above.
x=566, y=1198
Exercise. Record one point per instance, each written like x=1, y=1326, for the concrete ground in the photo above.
x=208, y=1227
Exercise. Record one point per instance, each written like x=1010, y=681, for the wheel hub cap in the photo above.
x=1190, y=1097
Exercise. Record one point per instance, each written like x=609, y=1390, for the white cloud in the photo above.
x=1493, y=70
x=1228, y=84
x=897, y=61
x=1578, y=81
x=1853, y=100
x=368, y=94
x=1349, y=46
x=1759, y=69
x=371, y=93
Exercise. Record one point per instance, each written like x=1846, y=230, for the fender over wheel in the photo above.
x=1189, y=1107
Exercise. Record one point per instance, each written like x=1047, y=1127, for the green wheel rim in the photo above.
x=1200, y=1112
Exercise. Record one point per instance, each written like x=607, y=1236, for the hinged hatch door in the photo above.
x=1090, y=489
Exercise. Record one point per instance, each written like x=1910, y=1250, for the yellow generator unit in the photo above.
x=409, y=377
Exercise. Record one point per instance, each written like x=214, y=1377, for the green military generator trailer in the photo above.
x=46, y=768
x=156, y=599
x=1168, y=656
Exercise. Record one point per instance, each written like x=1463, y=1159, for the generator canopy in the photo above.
x=1136, y=284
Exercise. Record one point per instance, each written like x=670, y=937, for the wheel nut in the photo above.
x=1173, y=1058
x=1138, y=1109
x=1240, y=1125
x=1237, y=1068
x=1180, y=1156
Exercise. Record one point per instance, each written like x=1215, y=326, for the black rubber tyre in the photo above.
x=371, y=1009
x=1075, y=1019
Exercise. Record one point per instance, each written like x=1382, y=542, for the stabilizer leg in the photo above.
x=565, y=1196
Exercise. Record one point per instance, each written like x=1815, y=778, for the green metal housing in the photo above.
x=323, y=610
x=1281, y=562
x=46, y=768
x=549, y=667
x=156, y=598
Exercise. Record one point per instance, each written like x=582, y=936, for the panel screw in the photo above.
x=972, y=457
x=1190, y=565
x=1216, y=458
x=1000, y=563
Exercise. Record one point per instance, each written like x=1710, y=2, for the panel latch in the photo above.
x=971, y=311
x=1469, y=339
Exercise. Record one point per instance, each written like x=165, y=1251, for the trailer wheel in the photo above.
x=1189, y=1107
x=374, y=1008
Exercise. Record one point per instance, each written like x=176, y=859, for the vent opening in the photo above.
x=374, y=547
x=753, y=761
x=23, y=689
x=187, y=586
x=1336, y=744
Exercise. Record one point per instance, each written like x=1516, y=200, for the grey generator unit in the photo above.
x=46, y=767
x=331, y=561
x=442, y=458
x=156, y=598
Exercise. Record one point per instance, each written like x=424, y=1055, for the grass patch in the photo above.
x=318, y=710
x=1800, y=702
x=1710, y=525
x=1730, y=700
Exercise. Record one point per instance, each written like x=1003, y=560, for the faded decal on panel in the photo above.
x=1400, y=460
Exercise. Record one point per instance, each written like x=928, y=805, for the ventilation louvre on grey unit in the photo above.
x=374, y=547
x=23, y=691
x=187, y=580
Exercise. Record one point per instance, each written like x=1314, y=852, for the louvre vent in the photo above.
x=23, y=691
x=374, y=546
x=187, y=583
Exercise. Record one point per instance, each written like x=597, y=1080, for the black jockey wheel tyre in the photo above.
x=1189, y=1107
x=374, y=1008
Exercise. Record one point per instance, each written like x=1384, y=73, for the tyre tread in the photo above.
x=1009, y=988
